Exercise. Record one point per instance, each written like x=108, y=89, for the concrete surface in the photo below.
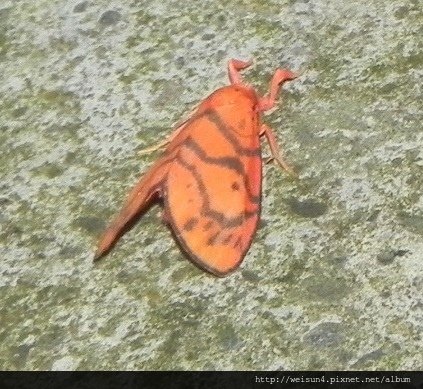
x=334, y=277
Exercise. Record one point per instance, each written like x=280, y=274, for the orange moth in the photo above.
x=209, y=176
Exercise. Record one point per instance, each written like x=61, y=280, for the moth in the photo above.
x=209, y=176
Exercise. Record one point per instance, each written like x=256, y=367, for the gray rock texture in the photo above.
x=334, y=277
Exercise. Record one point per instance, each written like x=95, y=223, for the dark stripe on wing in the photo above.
x=228, y=133
x=230, y=163
x=206, y=210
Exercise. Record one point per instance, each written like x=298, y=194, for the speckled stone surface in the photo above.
x=334, y=277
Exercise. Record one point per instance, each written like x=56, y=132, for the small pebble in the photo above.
x=109, y=18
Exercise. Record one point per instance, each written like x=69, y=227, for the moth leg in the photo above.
x=163, y=143
x=234, y=66
x=155, y=147
x=277, y=153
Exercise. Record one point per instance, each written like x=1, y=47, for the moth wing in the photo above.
x=212, y=194
x=149, y=187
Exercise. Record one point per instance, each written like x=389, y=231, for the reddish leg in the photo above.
x=234, y=66
x=277, y=153
x=280, y=76
x=161, y=144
